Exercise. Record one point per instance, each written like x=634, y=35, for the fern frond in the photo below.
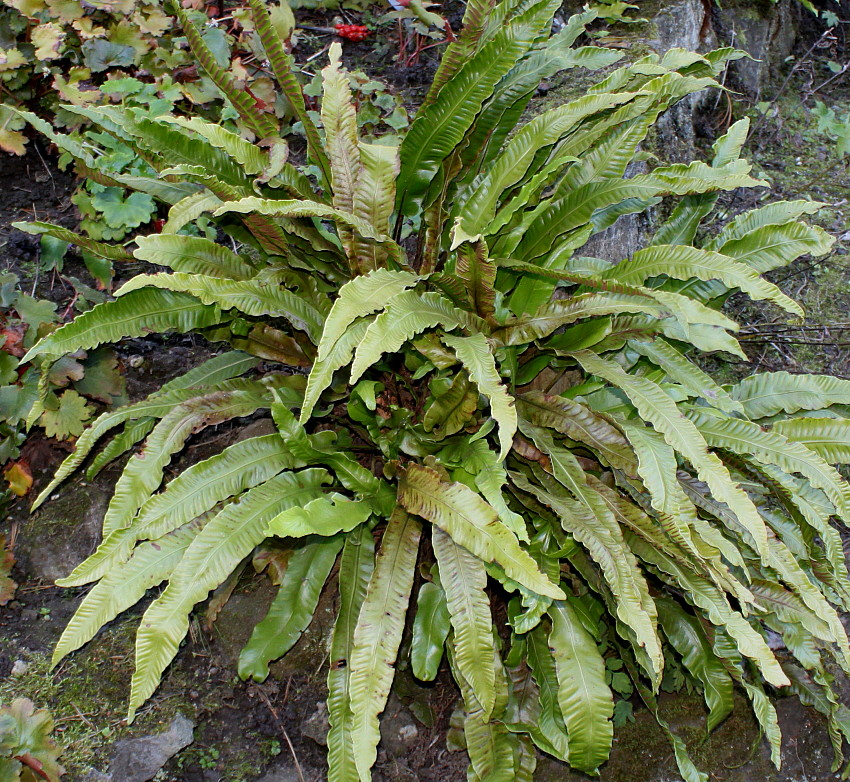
x=251, y=297
x=770, y=393
x=687, y=637
x=355, y=570
x=259, y=122
x=464, y=579
x=133, y=315
x=681, y=262
x=475, y=354
x=340, y=122
x=143, y=473
x=378, y=634
x=661, y=411
x=215, y=371
x=473, y=524
x=327, y=515
x=829, y=438
x=585, y=700
x=196, y=490
x=102, y=250
x=357, y=298
x=406, y=315
x=226, y=539
x=192, y=255
x=292, y=608
x=123, y=586
x=431, y=627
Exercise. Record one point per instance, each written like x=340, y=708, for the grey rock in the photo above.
x=53, y=541
x=238, y=616
x=316, y=726
x=20, y=669
x=138, y=760
x=256, y=428
x=281, y=774
x=765, y=31
x=399, y=731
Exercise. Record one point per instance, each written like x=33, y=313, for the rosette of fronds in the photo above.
x=489, y=414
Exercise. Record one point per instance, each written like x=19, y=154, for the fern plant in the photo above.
x=488, y=414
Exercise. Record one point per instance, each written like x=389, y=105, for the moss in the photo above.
x=87, y=696
x=798, y=162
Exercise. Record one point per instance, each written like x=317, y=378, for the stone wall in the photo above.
x=766, y=30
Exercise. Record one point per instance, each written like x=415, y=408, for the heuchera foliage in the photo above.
x=489, y=417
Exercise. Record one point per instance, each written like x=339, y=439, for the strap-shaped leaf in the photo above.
x=189, y=209
x=355, y=570
x=661, y=411
x=123, y=587
x=553, y=315
x=762, y=707
x=305, y=208
x=464, y=578
x=744, y=437
x=110, y=251
x=577, y=422
x=594, y=524
x=501, y=114
x=682, y=262
x=702, y=593
x=774, y=246
x=251, y=297
x=491, y=748
x=406, y=315
x=261, y=123
x=777, y=213
x=553, y=218
x=791, y=609
x=511, y=165
x=292, y=609
x=479, y=274
x=770, y=393
x=586, y=702
x=193, y=255
x=340, y=122
x=829, y=438
x=357, y=298
x=143, y=473
x=196, y=490
x=549, y=731
x=683, y=371
x=473, y=524
x=449, y=412
x=373, y=201
x=316, y=449
x=378, y=634
x=131, y=316
x=326, y=516
x=215, y=371
x=281, y=63
x=133, y=433
x=431, y=626
x=686, y=635
x=458, y=51
x=249, y=156
x=440, y=126
x=681, y=227
x=226, y=539
x=657, y=468
x=476, y=355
